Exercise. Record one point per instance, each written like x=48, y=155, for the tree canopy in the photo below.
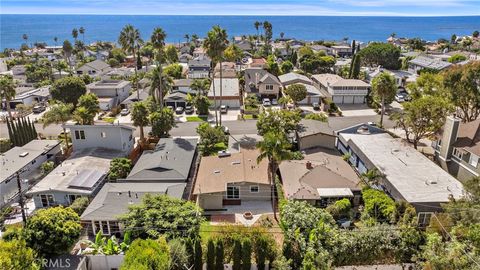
x=147, y=254
x=68, y=89
x=278, y=121
x=381, y=54
x=297, y=92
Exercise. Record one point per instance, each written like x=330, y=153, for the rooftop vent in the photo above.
x=236, y=162
x=363, y=130
x=431, y=182
x=24, y=154
x=217, y=171
x=224, y=153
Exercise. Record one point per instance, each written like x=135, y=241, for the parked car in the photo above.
x=223, y=109
x=316, y=106
x=38, y=109
x=399, y=98
x=189, y=109
x=266, y=102
x=124, y=112
x=179, y=110
x=274, y=102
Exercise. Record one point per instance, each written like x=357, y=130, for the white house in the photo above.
x=37, y=95
x=95, y=68
x=110, y=93
x=115, y=137
x=230, y=92
x=343, y=91
x=25, y=161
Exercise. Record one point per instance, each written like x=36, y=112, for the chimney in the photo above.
x=309, y=165
x=449, y=137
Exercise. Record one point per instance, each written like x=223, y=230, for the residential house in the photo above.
x=110, y=93
x=313, y=134
x=177, y=97
x=342, y=50
x=407, y=175
x=96, y=68
x=314, y=94
x=342, y=91
x=198, y=68
x=232, y=179
x=321, y=178
x=142, y=95
x=170, y=162
x=113, y=200
x=229, y=70
x=261, y=82
x=199, y=52
x=115, y=137
x=424, y=62
x=81, y=175
x=402, y=77
x=98, y=55
x=24, y=161
x=29, y=98
x=457, y=149
x=230, y=92
x=257, y=63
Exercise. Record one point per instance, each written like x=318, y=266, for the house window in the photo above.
x=105, y=228
x=47, y=200
x=424, y=218
x=473, y=160
x=103, y=134
x=79, y=135
x=254, y=189
x=73, y=197
x=233, y=192
x=457, y=153
x=269, y=87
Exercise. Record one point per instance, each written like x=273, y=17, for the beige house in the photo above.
x=261, y=82
x=342, y=91
x=231, y=180
x=313, y=133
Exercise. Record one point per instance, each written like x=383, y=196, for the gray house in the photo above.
x=407, y=175
x=262, y=83
x=115, y=137
x=457, y=149
x=170, y=162
x=95, y=68
x=110, y=93
x=114, y=199
x=313, y=133
x=26, y=161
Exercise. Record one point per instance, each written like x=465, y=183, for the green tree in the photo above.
x=427, y=84
x=161, y=214
x=15, y=254
x=130, y=41
x=463, y=82
x=297, y=92
x=157, y=39
x=171, y=54
x=219, y=256
x=457, y=58
x=286, y=67
x=384, y=89
x=233, y=53
x=140, y=117
x=92, y=106
x=210, y=260
x=215, y=45
x=278, y=121
x=423, y=117
x=80, y=204
x=147, y=254
x=237, y=255
x=118, y=54
x=378, y=205
x=178, y=254
x=162, y=122
x=58, y=114
x=47, y=167
x=246, y=254
x=75, y=33
x=322, y=117
x=212, y=139
x=7, y=91
x=52, y=231
x=174, y=71
x=381, y=54
x=119, y=168
x=67, y=51
x=355, y=68
x=68, y=89
x=160, y=85
x=198, y=261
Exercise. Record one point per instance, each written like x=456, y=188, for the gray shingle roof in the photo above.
x=169, y=162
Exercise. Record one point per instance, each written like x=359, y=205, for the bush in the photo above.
x=147, y=254
x=340, y=209
x=80, y=204
x=378, y=205
x=317, y=116
x=297, y=155
x=47, y=167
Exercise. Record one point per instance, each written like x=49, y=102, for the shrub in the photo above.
x=378, y=205
x=80, y=204
x=47, y=167
x=317, y=116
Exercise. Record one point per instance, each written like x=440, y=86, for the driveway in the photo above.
x=356, y=110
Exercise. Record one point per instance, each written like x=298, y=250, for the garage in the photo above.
x=358, y=99
x=347, y=100
x=338, y=99
x=176, y=99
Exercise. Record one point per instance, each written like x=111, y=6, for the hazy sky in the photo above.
x=245, y=7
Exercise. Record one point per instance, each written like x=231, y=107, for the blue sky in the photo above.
x=246, y=7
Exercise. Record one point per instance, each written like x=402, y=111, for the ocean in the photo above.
x=43, y=28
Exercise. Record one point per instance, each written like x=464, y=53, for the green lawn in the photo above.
x=197, y=118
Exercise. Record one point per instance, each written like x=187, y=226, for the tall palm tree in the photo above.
x=130, y=41
x=158, y=43
x=187, y=37
x=7, y=91
x=82, y=32
x=159, y=85
x=383, y=88
x=75, y=34
x=215, y=44
x=274, y=147
x=140, y=117
x=58, y=114
x=67, y=51
x=201, y=86
x=55, y=39
x=257, y=26
x=195, y=39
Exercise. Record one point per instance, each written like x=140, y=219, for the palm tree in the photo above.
x=383, y=87
x=58, y=114
x=215, y=44
x=282, y=34
x=82, y=32
x=257, y=26
x=25, y=37
x=75, y=34
x=140, y=117
x=7, y=91
x=55, y=39
x=162, y=83
x=67, y=51
x=187, y=37
x=201, y=86
x=371, y=177
x=275, y=148
x=158, y=43
x=130, y=41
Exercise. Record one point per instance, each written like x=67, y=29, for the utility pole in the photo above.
x=20, y=199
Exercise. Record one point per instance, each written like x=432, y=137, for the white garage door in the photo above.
x=358, y=99
x=338, y=99
x=348, y=99
x=230, y=103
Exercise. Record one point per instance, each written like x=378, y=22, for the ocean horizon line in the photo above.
x=245, y=15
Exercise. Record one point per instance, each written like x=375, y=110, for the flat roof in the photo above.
x=412, y=174
x=14, y=159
